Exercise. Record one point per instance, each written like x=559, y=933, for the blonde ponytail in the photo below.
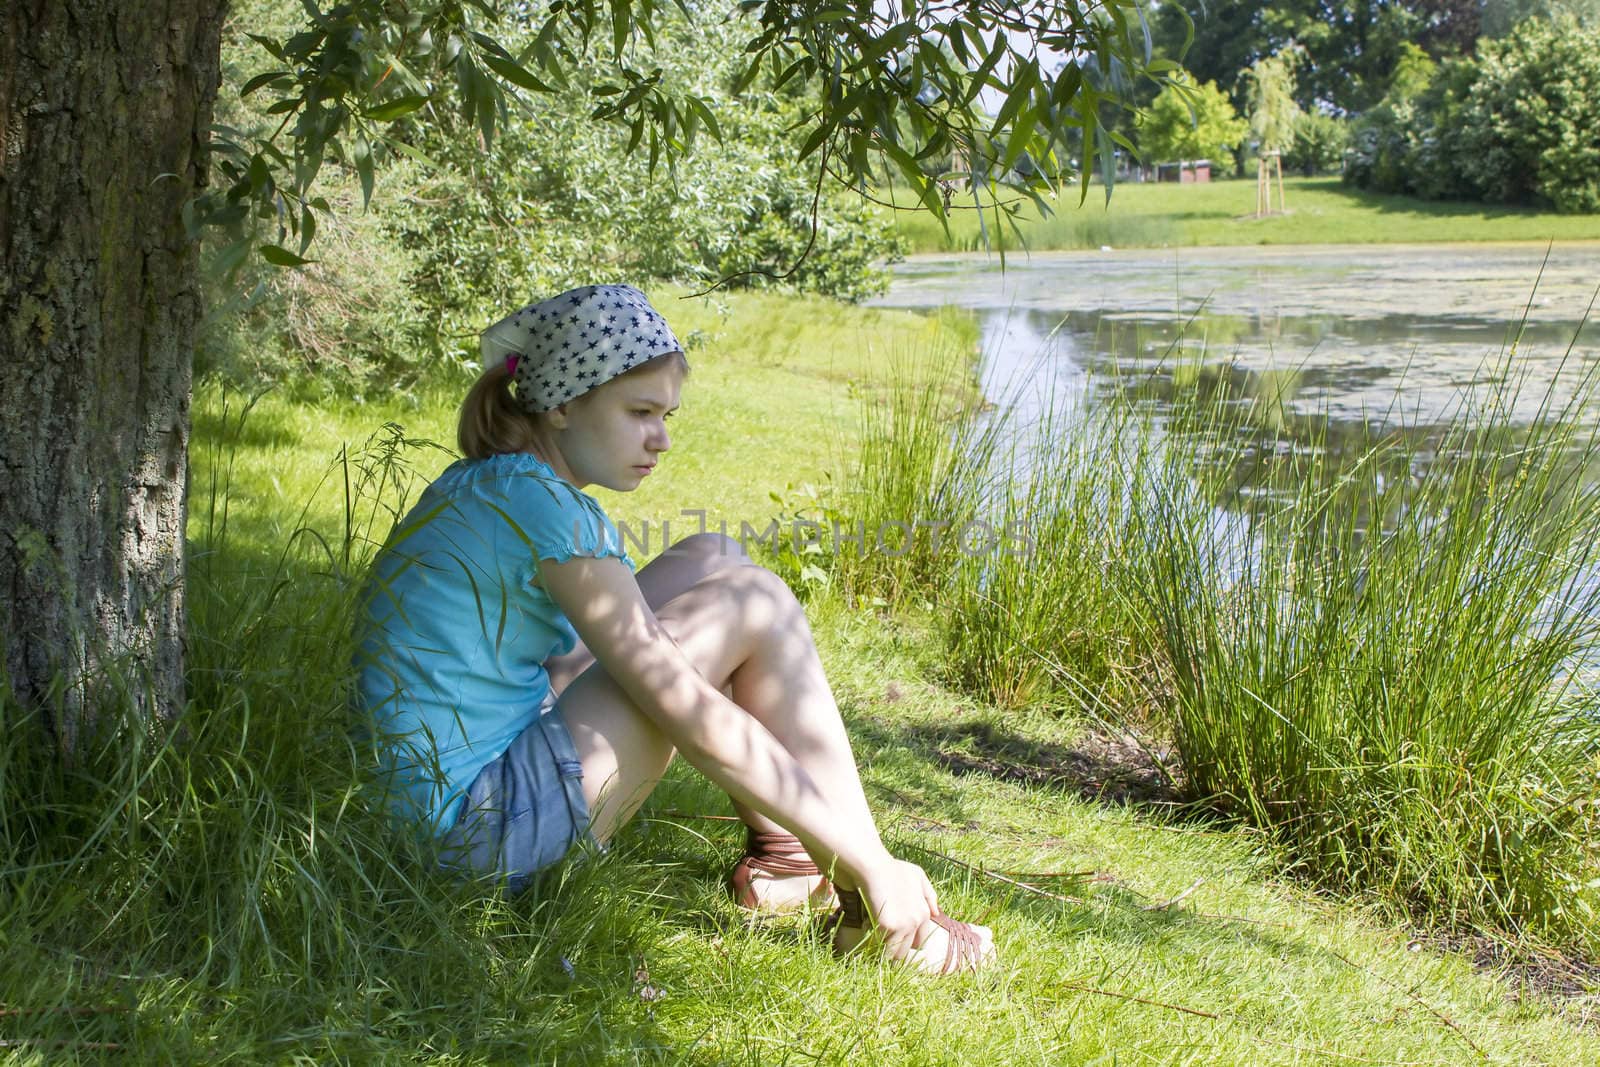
x=491, y=422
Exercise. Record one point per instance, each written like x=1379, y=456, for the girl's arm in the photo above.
x=729, y=746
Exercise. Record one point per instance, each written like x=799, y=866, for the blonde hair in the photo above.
x=493, y=422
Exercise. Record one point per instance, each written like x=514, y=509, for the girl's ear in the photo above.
x=557, y=417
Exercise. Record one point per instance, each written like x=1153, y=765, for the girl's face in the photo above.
x=613, y=435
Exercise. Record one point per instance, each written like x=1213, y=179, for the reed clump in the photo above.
x=1386, y=659
x=1391, y=675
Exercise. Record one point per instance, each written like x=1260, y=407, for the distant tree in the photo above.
x=1500, y=17
x=1189, y=121
x=1270, y=99
x=1516, y=124
x=1318, y=143
x=1350, y=47
x=1528, y=127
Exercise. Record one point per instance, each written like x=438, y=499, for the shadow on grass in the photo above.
x=1097, y=766
x=1399, y=203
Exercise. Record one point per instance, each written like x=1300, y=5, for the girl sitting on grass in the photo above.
x=531, y=688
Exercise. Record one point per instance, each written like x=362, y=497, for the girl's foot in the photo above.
x=775, y=876
x=954, y=946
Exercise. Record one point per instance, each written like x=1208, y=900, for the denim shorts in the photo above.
x=525, y=809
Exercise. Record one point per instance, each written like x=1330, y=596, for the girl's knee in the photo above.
x=758, y=584
x=712, y=548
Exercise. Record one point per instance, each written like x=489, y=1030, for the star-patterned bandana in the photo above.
x=571, y=343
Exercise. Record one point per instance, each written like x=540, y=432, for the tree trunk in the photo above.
x=104, y=108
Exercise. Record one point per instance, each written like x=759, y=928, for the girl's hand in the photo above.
x=902, y=904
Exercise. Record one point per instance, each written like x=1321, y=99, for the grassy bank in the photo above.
x=1150, y=214
x=229, y=896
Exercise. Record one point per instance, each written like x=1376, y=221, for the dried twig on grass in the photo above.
x=1080, y=987
x=1412, y=993
x=998, y=877
x=1232, y=1020
x=1168, y=905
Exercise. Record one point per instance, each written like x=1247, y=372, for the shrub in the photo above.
x=1531, y=117
x=456, y=234
x=1318, y=145
x=1191, y=122
x=1515, y=125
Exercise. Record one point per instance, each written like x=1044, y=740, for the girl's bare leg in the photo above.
x=669, y=575
x=743, y=630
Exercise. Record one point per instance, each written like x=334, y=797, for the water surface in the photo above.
x=1370, y=334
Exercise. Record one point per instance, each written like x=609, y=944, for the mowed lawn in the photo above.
x=1150, y=214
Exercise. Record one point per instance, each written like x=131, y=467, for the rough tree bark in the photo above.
x=104, y=107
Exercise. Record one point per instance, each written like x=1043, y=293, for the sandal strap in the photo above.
x=965, y=949
x=852, y=910
x=776, y=854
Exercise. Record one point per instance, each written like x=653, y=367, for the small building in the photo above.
x=1189, y=170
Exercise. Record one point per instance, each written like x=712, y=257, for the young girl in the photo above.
x=532, y=688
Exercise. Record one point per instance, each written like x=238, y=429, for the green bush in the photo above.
x=1532, y=116
x=1318, y=145
x=1515, y=125
x=1388, y=681
x=1191, y=122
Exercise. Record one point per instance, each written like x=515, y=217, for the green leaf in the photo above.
x=1066, y=85
x=393, y=109
x=409, y=151
x=707, y=116
x=363, y=159
x=1017, y=99
x=982, y=74
x=279, y=256
x=818, y=136
x=748, y=74
x=1022, y=135
x=621, y=23
x=273, y=47
x=308, y=228
x=260, y=80
x=515, y=74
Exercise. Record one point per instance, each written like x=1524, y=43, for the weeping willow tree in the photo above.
x=1269, y=94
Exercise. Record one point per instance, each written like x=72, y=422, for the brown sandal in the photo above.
x=776, y=855
x=964, y=946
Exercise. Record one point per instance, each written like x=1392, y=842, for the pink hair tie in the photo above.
x=511, y=365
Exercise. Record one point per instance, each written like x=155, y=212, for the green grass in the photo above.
x=1386, y=681
x=228, y=894
x=1320, y=211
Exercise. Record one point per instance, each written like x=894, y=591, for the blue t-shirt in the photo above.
x=453, y=633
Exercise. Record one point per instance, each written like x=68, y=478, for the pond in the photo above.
x=1321, y=347
x=1357, y=335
